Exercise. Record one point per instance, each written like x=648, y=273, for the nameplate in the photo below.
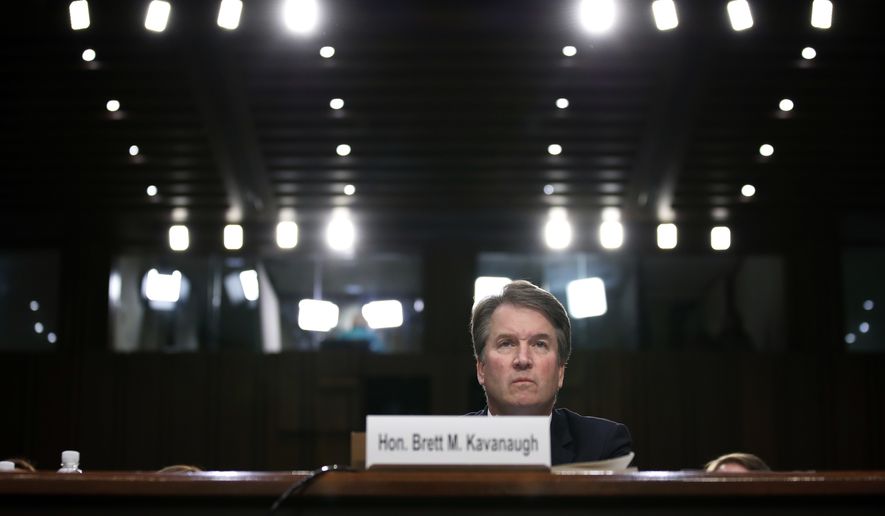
x=520, y=441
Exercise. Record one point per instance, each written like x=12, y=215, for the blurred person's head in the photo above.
x=737, y=463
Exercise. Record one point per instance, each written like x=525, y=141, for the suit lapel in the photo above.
x=561, y=448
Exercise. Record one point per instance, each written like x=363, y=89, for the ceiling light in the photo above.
x=88, y=55
x=113, y=105
x=317, y=315
x=766, y=150
x=343, y=149
x=79, y=12
x=133, y=150
x=157, y=16
x=51, y=337
x=720, y=238
x=287, y=234
x=668, y=236
x=597, y=16
x=549, y=189
x=569, y=51
x=327, y=52
x=748, y=190
x=486, y=286
x=822, y=14
x=554, y=149
x=151, y=190
x=809, y=53
x=163, y=288
x=786, y=105
x=349, y=189
x=586, y=298
x=850, y=338
x=739, y=15
x=300, y=16
x=249, y=284
x=229, y=14
x=664, y=12
x=383, y=314
x=336, y=103
x=558, y=230
x=233, y=237
x=34, y=305
x=868, y=305
x=864, y=327
x=179, y=238
x=611, y=234
x=340, y=233
x=562, y=103
x=38, y=327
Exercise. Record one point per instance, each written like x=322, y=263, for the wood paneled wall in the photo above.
x=295, y=411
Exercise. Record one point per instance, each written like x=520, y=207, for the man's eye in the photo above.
x=541, y=343
x=505, y=343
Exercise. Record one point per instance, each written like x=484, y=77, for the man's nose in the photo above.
x=523, y=356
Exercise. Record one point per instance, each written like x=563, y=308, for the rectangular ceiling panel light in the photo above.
x=586, y=298
x=667, y=236
x=383, y=314
x=822, y=14
x=233, y=237
x=664, y=12
x=486, y=286
x=179, y=238
x=229, y=14
x=163, y=288
x=317, y=315
x=287, y=234
x=720, y=238
x=79, y=11
x=739, y=15
x=249, y=282
x=157, y=16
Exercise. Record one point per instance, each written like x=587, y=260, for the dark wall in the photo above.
x=295, y=411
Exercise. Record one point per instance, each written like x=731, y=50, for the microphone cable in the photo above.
x=301, y=484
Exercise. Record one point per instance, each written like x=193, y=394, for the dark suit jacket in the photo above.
x=577, y=438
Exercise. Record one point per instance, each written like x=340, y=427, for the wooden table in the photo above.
x=445, y=492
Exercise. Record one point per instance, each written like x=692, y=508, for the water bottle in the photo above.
x=70, y=462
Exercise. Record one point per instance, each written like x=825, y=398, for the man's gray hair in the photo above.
x=523, y=294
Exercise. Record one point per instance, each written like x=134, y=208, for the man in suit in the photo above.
x=522, y=342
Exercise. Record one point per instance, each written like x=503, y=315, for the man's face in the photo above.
x=519, y=367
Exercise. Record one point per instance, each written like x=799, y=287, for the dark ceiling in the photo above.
x=449, y=109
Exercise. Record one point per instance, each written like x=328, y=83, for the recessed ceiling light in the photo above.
x=336, y=103
x=157, y=16
x=229, y=14
x=569, y=51
x=766, y=150
x=349, y=189
x=113, y=105
x=151, y=190
x=301, y=16
x=562, y=103
x=786, y=105
x=748, y=190
x=548, y=189
x=809, y=53
x=327, y=52
x=597, y=16
x=34, y=305
x=133, y=150
x=88, y=55
x=664, y=12
x=554, y=149
x=822, y=14
x=343, y=149
x=79, y=11
x=739, y=15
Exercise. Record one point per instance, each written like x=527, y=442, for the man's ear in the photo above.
x=480, y=373
x=561, y=375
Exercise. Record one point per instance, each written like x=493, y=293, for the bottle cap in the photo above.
x=7, y=465
x=70, y=457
